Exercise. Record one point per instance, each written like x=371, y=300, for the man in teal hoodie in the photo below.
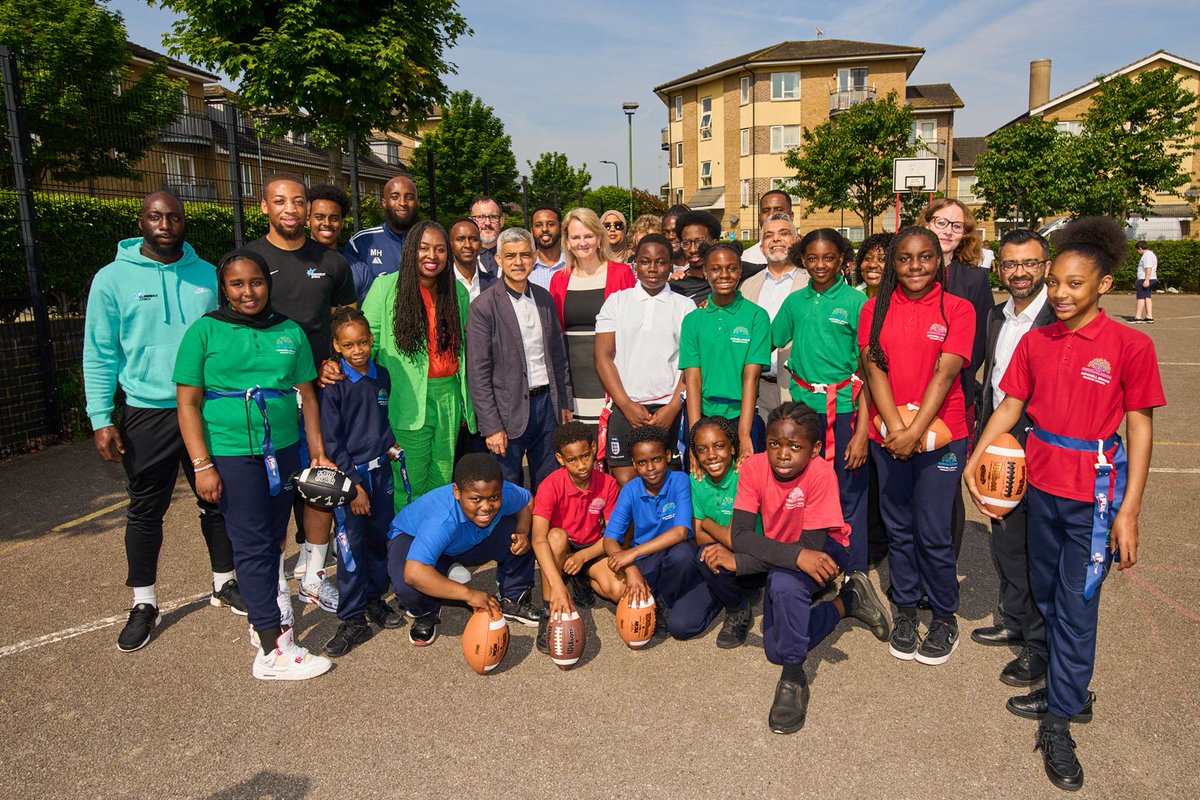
x=137, y=311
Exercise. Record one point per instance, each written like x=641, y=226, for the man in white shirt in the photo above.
x=1147, y=279
x=464, y=248
x=772, y=203
x=546, y=223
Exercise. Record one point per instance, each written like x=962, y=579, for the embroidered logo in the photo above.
x=937, y=332
x=285, y=346
x=949, y=463
x=140, y=296
x=725, y=505
x=839, y=316
x=1098, y=370
x=312, y=273
x=382, y=397
x=668, y=511
x=795, y=499
x=740, y=335
x=596, y=506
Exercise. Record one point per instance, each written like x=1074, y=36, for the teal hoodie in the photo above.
x=137, y=312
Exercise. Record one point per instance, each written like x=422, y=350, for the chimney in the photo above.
x=1039, y=83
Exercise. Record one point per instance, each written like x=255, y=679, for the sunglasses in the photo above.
x=614, y=226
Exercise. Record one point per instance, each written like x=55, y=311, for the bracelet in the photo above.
x=210, y=465
x=198, y=461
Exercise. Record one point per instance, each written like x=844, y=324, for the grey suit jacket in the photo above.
x=994, y=323
x=770, y=395
x=496, y=372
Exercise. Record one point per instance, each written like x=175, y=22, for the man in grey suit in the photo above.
x=1022, y=263
x=517, y=364
x=769, y=289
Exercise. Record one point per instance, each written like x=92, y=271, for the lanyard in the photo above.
x=260, y=396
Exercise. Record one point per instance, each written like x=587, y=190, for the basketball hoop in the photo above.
x=915, y=184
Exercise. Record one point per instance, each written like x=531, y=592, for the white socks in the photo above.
x=220, y=579
x=317, y=553
x=145, y=594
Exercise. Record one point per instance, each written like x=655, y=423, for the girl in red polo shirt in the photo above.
x=1077, y=379
x=915, y=340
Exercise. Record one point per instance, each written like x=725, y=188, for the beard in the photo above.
x=400, y=221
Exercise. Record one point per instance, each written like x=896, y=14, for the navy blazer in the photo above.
x=995, y=322
x=496, y=371
x=971, y=284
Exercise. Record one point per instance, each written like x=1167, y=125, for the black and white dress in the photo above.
x=585, y=296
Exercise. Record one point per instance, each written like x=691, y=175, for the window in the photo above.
x=679, y=154
x=362, y=188
x=180, y=169
x=678, y=107
x=966, y=189
x=785, y=85
x=852, y=78
x=745, y=203
x=679, y=197
x=853, y=234
x=784, y=138
x=1071, y=126
x=705, y=174
x=745, y=90
x=783, y=184
x=744, y=234
x=745, y=141
x=925, y=130
x=393, y=153
x=705, y=117
x=249, y=183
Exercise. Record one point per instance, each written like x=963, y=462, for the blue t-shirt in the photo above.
x=652, y=514
x=438, y=526
x=373, y=252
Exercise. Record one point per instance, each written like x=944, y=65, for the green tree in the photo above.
x=469, y=140
x=87, y=116
x=603, y=198
x=846, y=162
x=1022, y=174
x=326, y=69
x=1134, y=138
x=553, y=181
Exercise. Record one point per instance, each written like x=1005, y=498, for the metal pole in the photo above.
x=525, y=200
x=629, y=116
x=18, y=142
x=355, y=196
x=616, y=170
x=429, y=173
x=235, y=173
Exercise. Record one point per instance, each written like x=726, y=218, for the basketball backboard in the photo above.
x=914, y=175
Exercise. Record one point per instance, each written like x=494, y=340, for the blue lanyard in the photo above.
x=1109, y=493
x=260, y=396
x=339, y=513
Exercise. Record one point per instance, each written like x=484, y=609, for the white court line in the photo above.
x=1177, y=470
x=88, y=627
x=1179, y=363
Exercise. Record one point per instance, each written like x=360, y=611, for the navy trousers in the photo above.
x=1060, y=534
x=366, y=537
x=672, y=577
x=1018, y=611
x=916, y=500
x=724, y=585
x=852, y=486
x=514, y=574
x=791, y=623
x=257, y=523
x=533, y=444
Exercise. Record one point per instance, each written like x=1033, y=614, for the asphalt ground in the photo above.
x=184, y=717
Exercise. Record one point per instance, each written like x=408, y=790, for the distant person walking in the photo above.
x=1147, y=279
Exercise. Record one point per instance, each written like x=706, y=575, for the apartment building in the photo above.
x=729, y=125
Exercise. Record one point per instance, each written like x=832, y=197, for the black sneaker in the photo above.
x=542, y=643
x=1036, y=705
x=1058, y=755
x=136, y=633
x=790, y=706
x=383, y=615
x=424, y=629
x=350, y=633
x=662, y=616
x=582, y=593
x=904, y=639
x=940, y=643
x=864, y=604
x=229, y=595
x=736, y=627
x=521, y=609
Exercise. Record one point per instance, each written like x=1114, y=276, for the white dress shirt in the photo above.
x=1015, y=326
x=754, y=254
x=774, y=292
x=647, y=331
x=530, y=323
x=472, y=286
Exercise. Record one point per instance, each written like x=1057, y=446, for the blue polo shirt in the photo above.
x=373, y=252
x=652, y=514
x=438, y=526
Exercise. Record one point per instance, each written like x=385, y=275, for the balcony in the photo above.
x=842, y=99
x=187, y=129
x=192, y=191
x=927, y=148
x=666, y=139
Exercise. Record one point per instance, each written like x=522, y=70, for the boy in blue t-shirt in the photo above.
x=478, y=518
x=657, y=507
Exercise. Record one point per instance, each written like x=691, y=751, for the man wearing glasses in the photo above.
x=487, y=215
x=1022, y=267
x=696, y=230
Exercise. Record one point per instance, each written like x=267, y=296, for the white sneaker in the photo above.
x=323, y=593
x=283, y=598
x=289, y=662
x=301, y=568
x=459, y=573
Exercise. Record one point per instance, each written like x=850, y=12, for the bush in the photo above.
x=1178, y=265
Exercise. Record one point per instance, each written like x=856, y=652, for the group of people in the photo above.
x=651, y=414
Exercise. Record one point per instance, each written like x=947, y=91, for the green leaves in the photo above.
x=553, y=181
x=1024, y=173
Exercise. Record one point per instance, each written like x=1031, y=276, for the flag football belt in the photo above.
x=259, y=396
x=1108, y=494
x=830, y=390
x=339, y=514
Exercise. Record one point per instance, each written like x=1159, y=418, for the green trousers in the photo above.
x=429, y=450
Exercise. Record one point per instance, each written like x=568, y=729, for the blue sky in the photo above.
x=557, y=73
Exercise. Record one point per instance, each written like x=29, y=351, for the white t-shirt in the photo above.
x=986, y=258
x=1148, y=266
x=647, y=331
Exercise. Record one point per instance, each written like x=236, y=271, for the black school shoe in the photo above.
x=864, y=604
x=137, y=631
x=582, y=593
x=229, y=595
x=1026, y=669
x=662, y=616
x=790, y=706
x=1036, y=705
x=383, y=615
x=735, y=628
x=1058, y=755
x=542, y=641
x=350, y=633
x=521, y=609
x=996, y=635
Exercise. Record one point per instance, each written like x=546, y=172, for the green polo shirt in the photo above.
x=721, y=341
x=219, y=356
x=824, y=328
x=714, y=499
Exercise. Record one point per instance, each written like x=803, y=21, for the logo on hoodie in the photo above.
x=139, y=296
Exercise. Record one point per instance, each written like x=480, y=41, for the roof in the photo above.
x=1171, y=211
x=932, y=95
x=140, y=53
x=967, y=150
x=708, y=198
x=801, y=51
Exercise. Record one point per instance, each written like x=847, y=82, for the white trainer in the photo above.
x=289, y=662
x=459, y=574
x=301, y=568
x=324, y=593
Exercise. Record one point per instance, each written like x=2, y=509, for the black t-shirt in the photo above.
x=693, y=287
x=305, y=285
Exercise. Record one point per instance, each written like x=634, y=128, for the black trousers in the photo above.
x=1018, y=611
x=154, y=452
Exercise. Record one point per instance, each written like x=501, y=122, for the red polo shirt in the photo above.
x=1080, y=383
x=581, y=514
x=913, y=334
x=808, y=502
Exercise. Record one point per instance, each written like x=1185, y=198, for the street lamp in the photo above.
x=616, y=170
x=629, y=108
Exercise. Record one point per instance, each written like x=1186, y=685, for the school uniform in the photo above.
x=714, y=500
x=517, y=374
x=253, y=440
x=823, y=375
x=357, y=439
x=916, y=497
x=769, y=292
x=582, y=513
x=434, y=530
x=720, y=341
x=804, y=512
x=1077, y=385
x=670, y=573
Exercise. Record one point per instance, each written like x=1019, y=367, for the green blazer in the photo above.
x=410, y=376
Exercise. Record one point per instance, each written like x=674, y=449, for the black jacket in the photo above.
x=995, y=321
x=971, y=284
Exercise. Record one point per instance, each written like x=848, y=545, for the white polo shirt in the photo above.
x=532, y=340
x=647, y=332
x=1015, y=326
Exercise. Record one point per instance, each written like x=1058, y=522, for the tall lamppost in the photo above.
x=629, y=108
x=616, y=170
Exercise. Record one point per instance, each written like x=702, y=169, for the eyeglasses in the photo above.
x=1029, y=264
x=486, y=217
x=695, y=242
x=614, y=226
x=941, y=223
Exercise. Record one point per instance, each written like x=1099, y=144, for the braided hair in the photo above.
x=889, y=284
x=721, y=423
x=410, y=325
x=802, y=415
